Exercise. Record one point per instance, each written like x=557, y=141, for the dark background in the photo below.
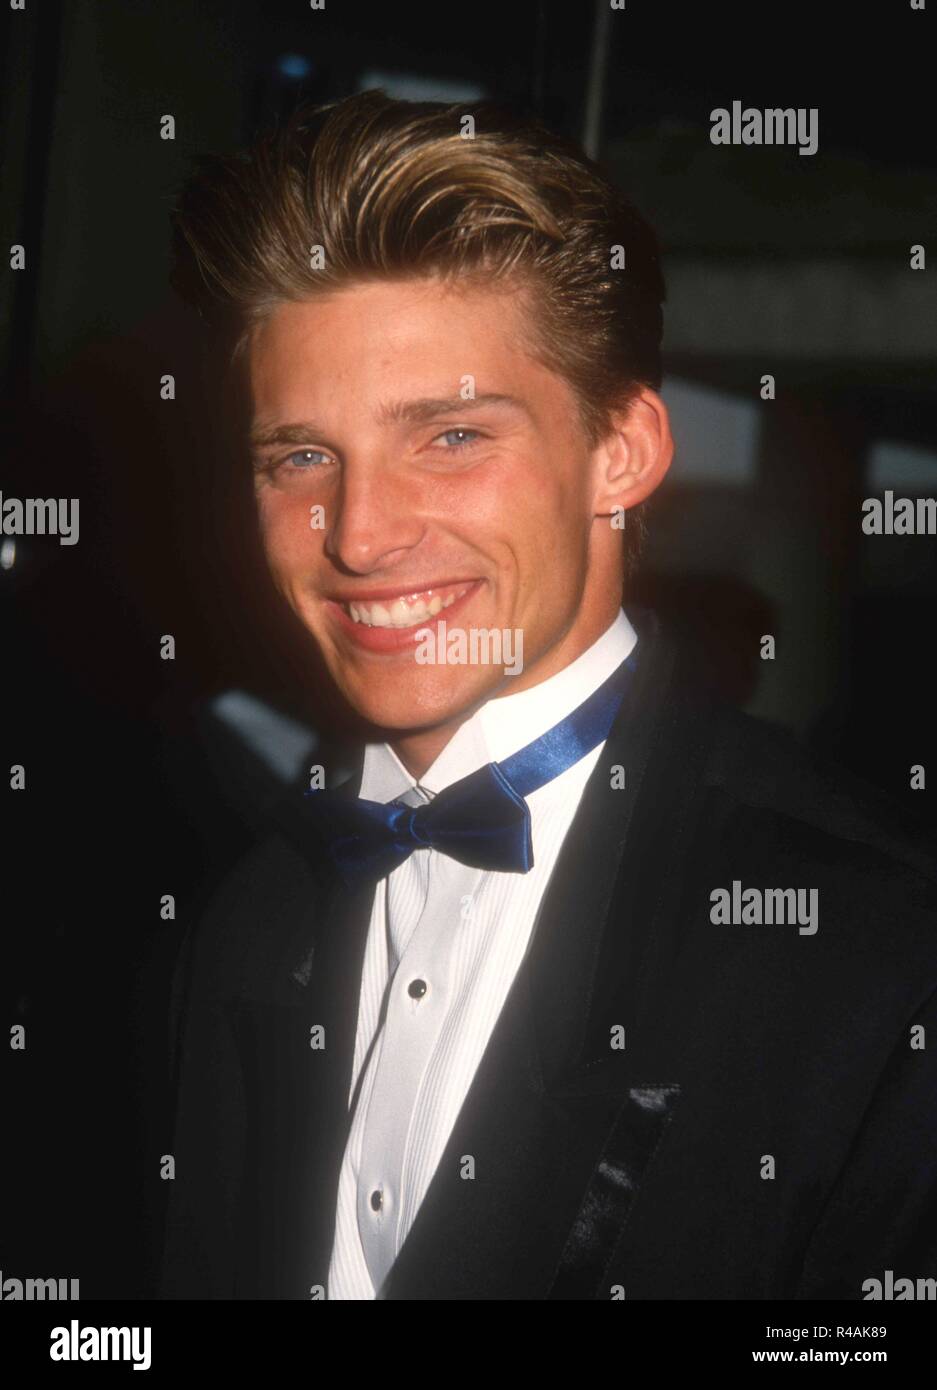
x=147, y=777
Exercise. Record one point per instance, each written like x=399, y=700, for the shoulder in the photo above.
x=770, y=778
x=775, y=815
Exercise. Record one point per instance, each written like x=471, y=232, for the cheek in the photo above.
x=504, y=499
x=287, y=537
x=541, y=514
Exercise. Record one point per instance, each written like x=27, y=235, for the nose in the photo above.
x=372, y=520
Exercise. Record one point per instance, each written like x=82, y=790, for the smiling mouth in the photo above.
x=404, y=610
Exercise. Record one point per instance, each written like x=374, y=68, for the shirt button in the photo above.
x=416, y=989
x=377, y=1201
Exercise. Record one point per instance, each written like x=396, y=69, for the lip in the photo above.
x=395, y=639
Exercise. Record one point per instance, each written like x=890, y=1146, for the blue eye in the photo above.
x=304, y=454
x=460, y=443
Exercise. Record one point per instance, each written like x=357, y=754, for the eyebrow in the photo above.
x=418, y=412
x=412, y=412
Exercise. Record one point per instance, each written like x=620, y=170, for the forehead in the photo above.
x=389, y=338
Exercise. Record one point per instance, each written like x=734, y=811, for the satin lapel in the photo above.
x=559, y=1127
x=334, y=992
x=628, y=1151
x=296, y=1049
x=593, y=1004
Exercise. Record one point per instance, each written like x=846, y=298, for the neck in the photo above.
x=418, y=749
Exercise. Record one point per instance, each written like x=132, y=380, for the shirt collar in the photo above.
x=504, y=724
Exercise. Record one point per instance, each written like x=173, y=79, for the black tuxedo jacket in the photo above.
x=768, y=1129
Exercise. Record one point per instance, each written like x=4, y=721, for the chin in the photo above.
x=409, y=704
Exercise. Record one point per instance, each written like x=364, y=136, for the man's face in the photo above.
x=455, y=484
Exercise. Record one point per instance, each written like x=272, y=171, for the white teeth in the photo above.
x=405, y=615
x=400, y=613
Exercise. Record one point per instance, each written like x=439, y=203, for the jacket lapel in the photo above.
x=296, y=1049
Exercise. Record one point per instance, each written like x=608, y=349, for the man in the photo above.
x=584, y=987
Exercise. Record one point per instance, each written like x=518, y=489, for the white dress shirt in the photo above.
x=444, y=944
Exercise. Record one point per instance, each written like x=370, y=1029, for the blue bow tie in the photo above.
x=482, y=820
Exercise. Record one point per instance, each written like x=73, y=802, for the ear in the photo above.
x=630, y=463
